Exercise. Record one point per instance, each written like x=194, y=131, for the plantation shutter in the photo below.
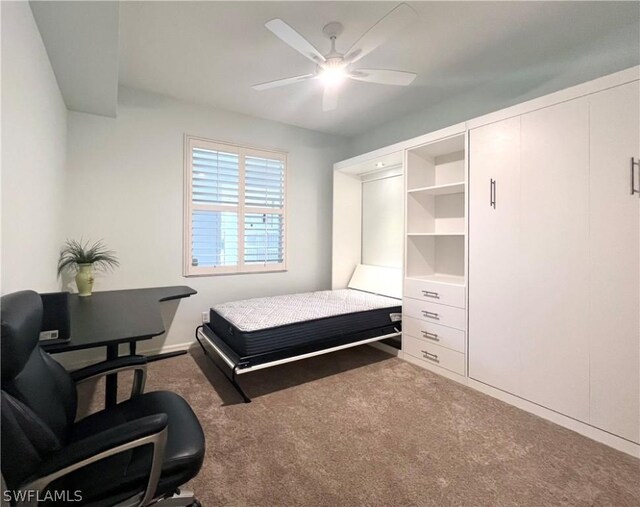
x=215, y=177
x=215, y=238
x=236, y=209
x=264, y=182
x=264, y=232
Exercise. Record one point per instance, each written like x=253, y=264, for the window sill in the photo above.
x=232, y=273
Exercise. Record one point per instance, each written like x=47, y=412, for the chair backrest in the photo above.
x=26, y=441
x=38, y=394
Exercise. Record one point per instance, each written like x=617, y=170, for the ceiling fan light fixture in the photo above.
x=333, y=68
x=333, y=76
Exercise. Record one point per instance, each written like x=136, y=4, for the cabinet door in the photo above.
x=494, y=154
x=614, y=272
x=554, y=259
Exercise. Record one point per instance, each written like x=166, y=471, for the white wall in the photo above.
x=603, y=56
x=33, y=156
x=125, y=184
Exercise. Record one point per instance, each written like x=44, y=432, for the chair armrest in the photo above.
x=136, y=363
x=124, y=437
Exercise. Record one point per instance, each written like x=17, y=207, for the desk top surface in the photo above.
x=116, y=316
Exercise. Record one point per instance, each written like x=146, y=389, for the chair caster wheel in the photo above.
x=196, y=504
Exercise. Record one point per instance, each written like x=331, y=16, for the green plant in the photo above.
x=76, y=252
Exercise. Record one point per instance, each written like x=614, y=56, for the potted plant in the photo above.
x=83, y=258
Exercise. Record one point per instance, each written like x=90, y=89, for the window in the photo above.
x=234, y=209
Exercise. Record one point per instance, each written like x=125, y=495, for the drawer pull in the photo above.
x=430, y=294
x=430, y=315
x=430, y=356
x=431, y=336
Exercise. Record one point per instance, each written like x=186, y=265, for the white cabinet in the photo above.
x=434, y=303
x=614, y=262
x=434, y=355
x=435, y=313
x=442, y=293
x=494, y=170
x=436, y=334
x=554, y=258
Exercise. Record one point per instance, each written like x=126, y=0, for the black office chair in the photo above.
x=139, y=452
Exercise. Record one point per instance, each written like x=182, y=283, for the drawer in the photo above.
x=434, y=333
x=451, y=295
x=433, y=354
x=435, y=313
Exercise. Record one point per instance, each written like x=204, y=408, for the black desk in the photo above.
x=109, y=318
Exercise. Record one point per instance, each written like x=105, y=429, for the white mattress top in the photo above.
x=274, y=311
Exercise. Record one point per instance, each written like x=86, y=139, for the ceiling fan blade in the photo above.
x=289, y=36
x=379, y=33
x=330, y=98
x=282, y=82
x=381, y=76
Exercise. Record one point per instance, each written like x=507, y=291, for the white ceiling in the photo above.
x=212, y=52
x=81, y=39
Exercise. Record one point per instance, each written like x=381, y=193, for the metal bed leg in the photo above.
x=237, y=386
x=232, y=379
x=224, y=369
x=199, y=342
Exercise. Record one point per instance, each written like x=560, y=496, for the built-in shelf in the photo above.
x=449, y=188
x=440, y=278
x=436, y=212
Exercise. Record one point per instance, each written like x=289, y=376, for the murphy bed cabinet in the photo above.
x=522, y=254
x=554, y=241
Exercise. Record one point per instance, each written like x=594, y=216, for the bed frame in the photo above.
x=379, y=280
x=232, y=364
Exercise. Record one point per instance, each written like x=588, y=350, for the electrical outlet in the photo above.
x=205, y=317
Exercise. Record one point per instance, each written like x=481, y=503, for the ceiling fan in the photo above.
x=334, y=67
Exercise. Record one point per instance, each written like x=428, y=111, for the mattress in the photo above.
x=262, y=325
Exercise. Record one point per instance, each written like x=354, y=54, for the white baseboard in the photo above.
x=166, y=348
x=584, y=429
x=385, y=348
x=435, y=369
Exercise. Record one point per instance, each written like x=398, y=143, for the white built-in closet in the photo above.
x=522, y=254
x=554, y=307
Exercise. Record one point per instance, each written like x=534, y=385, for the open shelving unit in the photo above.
x=448, y=188
x=436, y=211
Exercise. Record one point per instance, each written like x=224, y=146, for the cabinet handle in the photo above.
x=634, y=163
x=431, y=315
x=430, y=336
x=430, y=294
x=492, y=193
x=430, y=356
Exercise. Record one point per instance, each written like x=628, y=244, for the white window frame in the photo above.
x=191, y=142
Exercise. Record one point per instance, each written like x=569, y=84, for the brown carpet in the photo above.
x=359, y=427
